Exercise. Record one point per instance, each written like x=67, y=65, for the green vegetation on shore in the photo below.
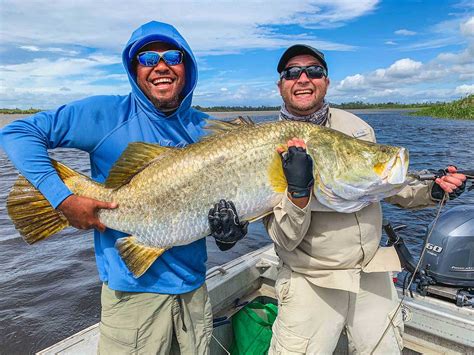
x=462, y=109
x=14, y=111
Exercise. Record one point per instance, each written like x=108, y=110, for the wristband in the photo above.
x=300, y=194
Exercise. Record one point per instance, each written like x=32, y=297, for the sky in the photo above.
x=56, y=51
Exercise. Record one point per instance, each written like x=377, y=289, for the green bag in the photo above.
x=252, y=327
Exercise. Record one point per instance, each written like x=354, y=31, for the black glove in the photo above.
x=225, y=225
x=437, y=193
x=298, y=169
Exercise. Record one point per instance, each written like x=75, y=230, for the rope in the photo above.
x=222, y=346
x=441, y=205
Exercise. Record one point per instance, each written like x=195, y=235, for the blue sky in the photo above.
x=52, y=52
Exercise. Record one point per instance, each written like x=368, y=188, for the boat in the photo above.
x=432, y=325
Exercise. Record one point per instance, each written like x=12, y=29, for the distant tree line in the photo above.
x=462, y=108
x=9, y=111
x=345, y=105
x=236, y=108
x=364, y=105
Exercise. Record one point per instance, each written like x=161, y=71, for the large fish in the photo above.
x=164, y=194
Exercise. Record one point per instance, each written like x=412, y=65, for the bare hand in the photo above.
x=81, y=212
x=295, y=142
x=450, y=182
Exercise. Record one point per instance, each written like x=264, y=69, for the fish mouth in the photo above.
x=396, y=169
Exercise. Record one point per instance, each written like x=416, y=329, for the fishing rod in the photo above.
x=433, y=175
x=390, y=323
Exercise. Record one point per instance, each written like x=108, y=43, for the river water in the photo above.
x=50, y=290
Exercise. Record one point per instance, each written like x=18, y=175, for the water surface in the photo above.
x=51, y=290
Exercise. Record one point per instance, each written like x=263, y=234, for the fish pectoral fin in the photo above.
x=134, y=159
x=277, y=176
x=136, y=256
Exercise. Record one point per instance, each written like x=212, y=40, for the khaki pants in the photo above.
x=151, y=323
x=311, y=318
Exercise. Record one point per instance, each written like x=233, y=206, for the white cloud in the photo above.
x=254, y=92
x=103, y=27
x=440, y=78
x=467, y=28
x=391, y=43
x=221, y=26
x=48, y=83
x=353, y=82
x=403, y=68
x=30, y=48
x=464, y=89
x=410, y=80
x=442, y=34
x=405, y=32
x=49, y=49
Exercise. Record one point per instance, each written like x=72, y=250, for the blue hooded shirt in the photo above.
x=103, y=126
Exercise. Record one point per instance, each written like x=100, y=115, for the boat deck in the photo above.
x=431, y=325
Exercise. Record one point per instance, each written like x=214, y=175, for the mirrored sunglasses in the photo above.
x=152, y=58
x=312, y=72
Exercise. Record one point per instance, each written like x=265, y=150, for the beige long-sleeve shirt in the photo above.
x=331, y=248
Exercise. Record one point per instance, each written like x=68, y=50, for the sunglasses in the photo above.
x=312, y=72
x=152, y=58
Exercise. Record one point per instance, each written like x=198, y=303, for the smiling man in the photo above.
x=166, y=309
x=161, y=83
x=333, y=274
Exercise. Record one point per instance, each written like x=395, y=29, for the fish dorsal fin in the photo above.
x=136, y=256
x=134, y=159
x=241, y=120
x=219, y=126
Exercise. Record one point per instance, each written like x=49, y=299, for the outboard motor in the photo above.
x=448, y=263
x=449, y=256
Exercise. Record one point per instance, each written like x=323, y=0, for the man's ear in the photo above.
x=279, y=85
x=328, y=81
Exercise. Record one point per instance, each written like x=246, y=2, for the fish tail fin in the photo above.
x=33, y=215
x=136, y=256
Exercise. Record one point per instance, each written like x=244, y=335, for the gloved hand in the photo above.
x=451, y=182
x=225, y=225
x=298, y=168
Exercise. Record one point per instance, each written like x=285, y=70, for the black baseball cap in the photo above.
x=299, y=49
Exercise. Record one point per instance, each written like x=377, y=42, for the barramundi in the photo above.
x=164, y=194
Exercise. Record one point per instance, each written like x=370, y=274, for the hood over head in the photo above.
x=155, y=31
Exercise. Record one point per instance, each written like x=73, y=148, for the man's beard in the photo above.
x=165, y=105
x=313, y=105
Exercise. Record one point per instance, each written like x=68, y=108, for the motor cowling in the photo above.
x=449, y=256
